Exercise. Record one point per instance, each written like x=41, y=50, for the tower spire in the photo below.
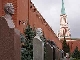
x=63, y=8
x=64, y=30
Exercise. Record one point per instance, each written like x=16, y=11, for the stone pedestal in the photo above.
x=38, y=49
x=9, y=42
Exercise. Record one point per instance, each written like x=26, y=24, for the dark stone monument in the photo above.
x=38, y=49
x=38, y=46
x=56, y=54
x=50, y=52
x=9, y=36
x=61, y=54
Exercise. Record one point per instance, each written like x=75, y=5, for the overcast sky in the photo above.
x=51, y=10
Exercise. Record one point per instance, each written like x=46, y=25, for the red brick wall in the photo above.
x=73, y=45
x=0, y=7
x=22, y=13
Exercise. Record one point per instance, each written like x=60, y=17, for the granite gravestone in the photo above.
x=56, y=54
x=38, y=46
x=50, y=51
x=61, y=54
x=9, y=36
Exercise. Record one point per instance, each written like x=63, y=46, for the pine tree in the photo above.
x=68, y=49
x=23, y=49
x=76, y=53
x=22, y=37
x=65, y=47
x=27, y=49
x=23, y=54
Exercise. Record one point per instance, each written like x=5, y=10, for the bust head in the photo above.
x=9, y=9
x=39, y=32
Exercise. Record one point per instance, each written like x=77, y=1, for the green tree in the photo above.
x=27, y=48
x=23, y=54
x=76, y=53
x=68, y=49
x=65, y=47
x=22, y=37
x=23, y=49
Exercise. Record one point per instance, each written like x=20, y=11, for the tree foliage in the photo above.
x=27, y=48
x=76, y=53
x=65, y=46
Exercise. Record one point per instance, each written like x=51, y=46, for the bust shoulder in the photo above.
x=9, y=22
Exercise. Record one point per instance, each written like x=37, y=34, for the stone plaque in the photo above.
x=9, y=42
x=50, y=52
x=38, y=49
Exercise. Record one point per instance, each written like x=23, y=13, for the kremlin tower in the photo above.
x=64, y=30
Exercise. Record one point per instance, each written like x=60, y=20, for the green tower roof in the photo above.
x=63, y=8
